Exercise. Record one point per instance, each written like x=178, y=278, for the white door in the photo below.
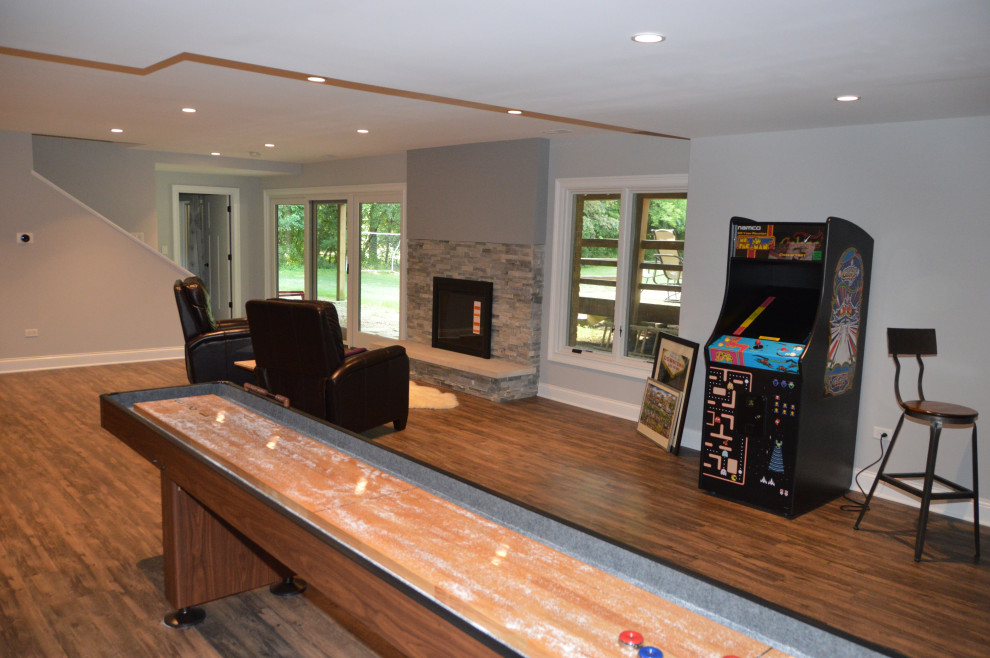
x=219, y=284
x=204, y=241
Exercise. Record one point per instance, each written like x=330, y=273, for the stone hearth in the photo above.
x=517, y=274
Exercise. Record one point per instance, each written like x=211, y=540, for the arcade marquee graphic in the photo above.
x=760, y=242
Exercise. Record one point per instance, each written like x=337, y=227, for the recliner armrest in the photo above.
x=211, y=356
x=233, y=323
x=357, y=362
x=219, y=336
x=370, y=389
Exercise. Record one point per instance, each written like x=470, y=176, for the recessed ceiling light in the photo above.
x=316, y=78
x=648, y=37
x=269, y=146
x=116, y=130
x=189, y=110
x=847, y=99
x=514, y=111
x=363, y=131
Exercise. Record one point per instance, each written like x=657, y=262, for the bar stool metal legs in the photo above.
x=976, y=496
x=955, y=491
x=935, y=431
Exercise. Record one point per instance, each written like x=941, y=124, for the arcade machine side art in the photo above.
x=783, y=364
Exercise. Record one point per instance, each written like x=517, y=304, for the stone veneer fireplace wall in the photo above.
x=517, y=273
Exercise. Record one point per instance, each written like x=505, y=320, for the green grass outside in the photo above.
x=379, y=297
x=377, y=288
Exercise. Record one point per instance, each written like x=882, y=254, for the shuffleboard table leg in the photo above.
x=185, y=617
x=289, y=586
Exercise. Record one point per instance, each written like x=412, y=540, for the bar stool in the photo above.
x=918, y=342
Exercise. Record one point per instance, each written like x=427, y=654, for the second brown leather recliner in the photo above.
x=212, y=347
x=299, y=353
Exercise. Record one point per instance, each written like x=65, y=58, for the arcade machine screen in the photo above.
x=769, y=330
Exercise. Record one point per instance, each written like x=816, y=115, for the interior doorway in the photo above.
x=204, y=241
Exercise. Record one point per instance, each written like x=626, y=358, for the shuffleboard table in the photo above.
x=254, y=493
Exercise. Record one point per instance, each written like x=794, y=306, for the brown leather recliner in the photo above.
x=299, y=353
x=212, y=346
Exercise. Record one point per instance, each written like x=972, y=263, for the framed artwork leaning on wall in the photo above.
x=666, y=397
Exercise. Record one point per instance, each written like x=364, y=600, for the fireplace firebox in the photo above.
x=462, y=316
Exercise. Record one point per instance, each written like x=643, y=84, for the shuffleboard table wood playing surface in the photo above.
x=529, y=596
x=249, y=500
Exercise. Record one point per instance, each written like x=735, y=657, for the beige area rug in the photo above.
x=424, y=397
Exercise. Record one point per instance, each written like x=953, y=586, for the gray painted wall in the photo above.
x=922, y=190
x=133, y=189
x=617, y=154
x=84, y=284
x=340, y=173
x=592, y=157
x=117, y=182
x=491, y=192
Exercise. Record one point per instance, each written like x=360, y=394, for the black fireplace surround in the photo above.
x=462, y=316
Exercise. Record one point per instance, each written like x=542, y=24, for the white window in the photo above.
x=618, y=268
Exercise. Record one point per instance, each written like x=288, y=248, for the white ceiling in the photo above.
x=727, y=67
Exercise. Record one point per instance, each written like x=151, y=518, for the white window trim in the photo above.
x=558, y=350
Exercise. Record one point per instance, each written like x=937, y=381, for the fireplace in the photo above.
x=462, y=316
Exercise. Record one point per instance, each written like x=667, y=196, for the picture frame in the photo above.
x=659, y=413
x=674, y=362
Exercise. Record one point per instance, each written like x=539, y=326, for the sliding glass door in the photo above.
x=330, y=255
x=290, y=250
x=315, y=238
x=380, y=242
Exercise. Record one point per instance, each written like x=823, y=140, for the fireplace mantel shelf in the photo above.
x=491, y=368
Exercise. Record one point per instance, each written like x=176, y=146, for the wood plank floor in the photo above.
x=80, y=531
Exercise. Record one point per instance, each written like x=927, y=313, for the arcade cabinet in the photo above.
x=784, y=364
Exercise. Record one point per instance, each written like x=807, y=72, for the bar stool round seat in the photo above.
x=918, y=342
x=953, y=414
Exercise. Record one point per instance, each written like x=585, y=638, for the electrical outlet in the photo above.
x=878, y=432
x=30, y=333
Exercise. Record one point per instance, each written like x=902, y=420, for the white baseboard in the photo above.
x=589, y=401
x=89, y=359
